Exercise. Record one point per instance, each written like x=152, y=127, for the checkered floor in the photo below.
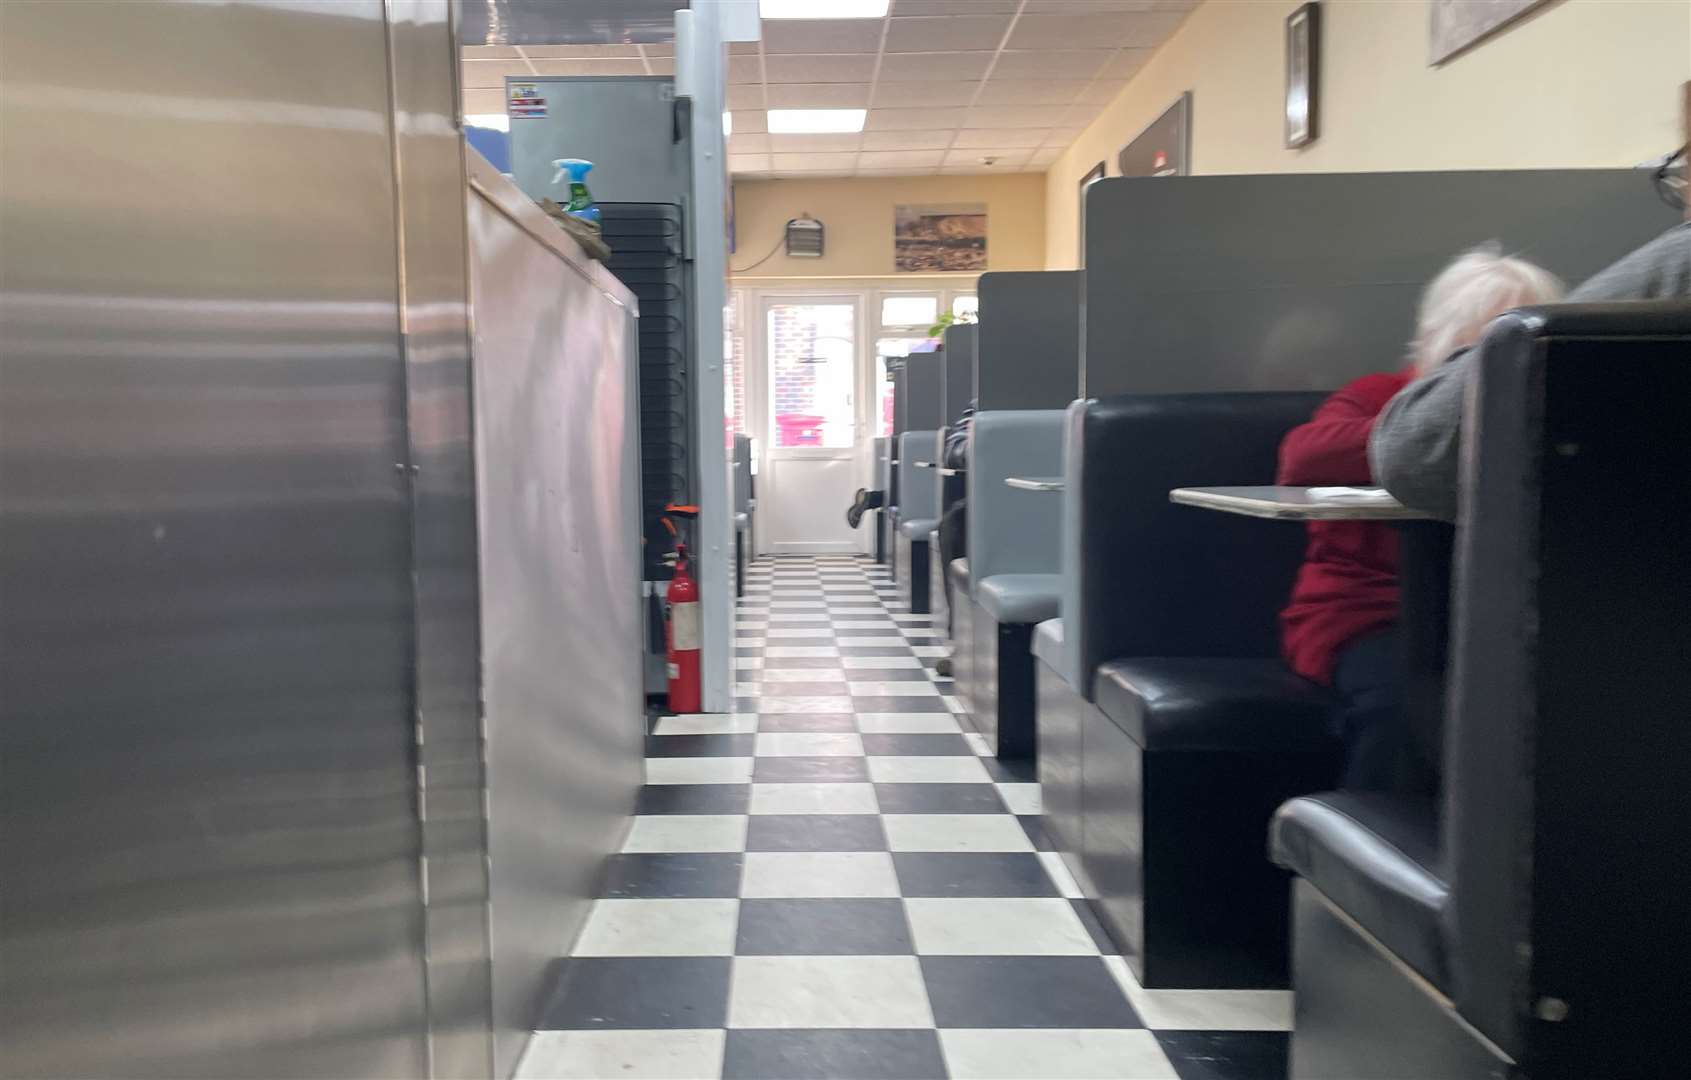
x=832, y=882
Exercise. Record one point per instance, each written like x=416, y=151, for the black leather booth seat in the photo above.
x=1203, y=703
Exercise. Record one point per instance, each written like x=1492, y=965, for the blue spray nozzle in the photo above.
x=575, y=168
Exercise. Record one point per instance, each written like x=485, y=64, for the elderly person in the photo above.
x=1339, y=628
x=1416, y=441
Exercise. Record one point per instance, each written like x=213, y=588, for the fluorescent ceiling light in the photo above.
x=727, y=124
x=498, y=121
x=816, y=121
x=823, y=9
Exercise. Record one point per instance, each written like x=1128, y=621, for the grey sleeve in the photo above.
x=1417, y=439
x=1660, y=270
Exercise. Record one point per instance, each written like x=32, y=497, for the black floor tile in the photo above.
x=1025, y=992
x=971, y=873
x=833, y=927
x=748, y=650
x=669, y=875
x=813, y=770
x=806, y=722
x=694, y=799
x=915, y=675
x=934, y=745
x=815, y=832
x=875, y=650
x=1018, y=771
x=814, y=1055
x=635, y=992
x=1227, y=1055
x=939, y=799
x=845, y=634
x=672, y=746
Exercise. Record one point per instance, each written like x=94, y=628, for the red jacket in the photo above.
x=1347, y=586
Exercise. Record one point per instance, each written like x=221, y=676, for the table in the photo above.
x=923, y=464
x=954, y=472
x=1035, y=483
x=1424, y=565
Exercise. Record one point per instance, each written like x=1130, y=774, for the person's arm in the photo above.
x=1417, y=439
x=957, y=441
x=1332, y=447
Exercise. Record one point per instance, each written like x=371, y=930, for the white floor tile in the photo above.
x=772, y=703
x=828, y=992
x=952, y=703
x=748, y=663
x=1204, y=1010
x=1073, y=1054
x=815, y=615
x=931, y=650
x=865, y=624
x=818, y=874
x=781, y=675
x=748, y=642
x=885, y=663
x=659, y=928
x=809, y=744
x=748, y=689
x=797, y=651
x=686, y=832
x=686, y=1054
x=955, y=832
x=786, y=632
x=704, y=770
x=997, y=927
x=927, y=770
x=907, y=723
x=1020, y=798
x=1060, y=875
x=907, y=688
x=813, y=799
x=706, y=724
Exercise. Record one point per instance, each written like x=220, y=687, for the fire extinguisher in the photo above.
x=681, y=626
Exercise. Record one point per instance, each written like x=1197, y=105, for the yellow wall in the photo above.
x=1578, y=84
x=858, y=216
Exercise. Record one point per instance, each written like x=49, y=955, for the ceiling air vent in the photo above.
x=804, y=237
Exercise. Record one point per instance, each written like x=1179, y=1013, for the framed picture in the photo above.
x=1165, y=147
x=942, y=238
x=1093, y=175
x=1303, y=75
x=1457, y=24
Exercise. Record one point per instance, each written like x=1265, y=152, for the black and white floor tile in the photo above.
x=833, y=882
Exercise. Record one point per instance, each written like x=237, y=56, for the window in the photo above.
x=734, y=362
x=909, y=310
x=966, y=307
x=885, y=349
x=812, y=350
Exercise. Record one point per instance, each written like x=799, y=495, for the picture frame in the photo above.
x=1164, y=148
x=1303, y=75
x=1093, y=175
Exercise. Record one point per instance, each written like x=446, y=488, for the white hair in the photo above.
x=1479, y=285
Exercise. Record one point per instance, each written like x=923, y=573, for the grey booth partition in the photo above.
x=1303, y=282
x=1028, y=351
x=957, y=387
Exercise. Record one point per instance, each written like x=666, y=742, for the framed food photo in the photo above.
x=1303, y=75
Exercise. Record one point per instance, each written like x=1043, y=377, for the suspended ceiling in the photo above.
x=951, y=86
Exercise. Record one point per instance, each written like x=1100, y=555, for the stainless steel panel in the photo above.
x=207, y=769
x=558, y=483
x=429, y=159
x=575, y=22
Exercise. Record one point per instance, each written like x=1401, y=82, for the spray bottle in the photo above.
x=580, y=203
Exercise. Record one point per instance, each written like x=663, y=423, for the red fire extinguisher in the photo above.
x=681, y=629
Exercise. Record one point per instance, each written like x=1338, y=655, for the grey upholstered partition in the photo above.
x=958, y=387
x=1027, y=354
x=919, y=487
x=1013, y=531
x=1302, y=282
x=923, y=388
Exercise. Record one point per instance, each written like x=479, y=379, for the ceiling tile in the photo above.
x=1062, y=137
x=755, y=143
x=658, y=50
x=894, y=159
x=1126, y=64
x=822, y=35
x=748, y=162
x=490, y=52
x=811, y=144
x=819, y=174
x=807, y=68
x=590, y=67
x=1037, y=92
x=1016, y=116
x=490, y=74
x=819, y=95
x=907, y=140
x=1051, y=63
x=885, y=173
x=745, y=97
x=900, y=95
x=484, y=101
x=814, y=162
x=584, y=52
x=1045, y=156
x=999, y=139
x=949, y=33
x=954, y=7
x=934, y=67
x=1079, y=115
x=743, y=48
x=661, y=65
x=1005, y=160
x=1151, y=29
x=1083, y=7
x=913, y=119
x=1101, y=92
x=744, y=69
x=750, y=121
x=1057, y=31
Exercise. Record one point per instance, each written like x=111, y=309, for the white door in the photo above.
x=813, y=421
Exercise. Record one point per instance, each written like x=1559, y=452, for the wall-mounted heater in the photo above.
x=804, y=238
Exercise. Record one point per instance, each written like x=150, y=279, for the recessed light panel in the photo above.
x=816, y=121
x=823, y=9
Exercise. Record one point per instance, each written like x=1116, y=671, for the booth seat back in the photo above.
x=1567, y=813
x=742, y=467
x=883, y=466
x=918, y=489
x=1011, y=531
x=1145, y=577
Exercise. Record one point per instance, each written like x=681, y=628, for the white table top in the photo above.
x=1300, y=503
x=1035, y=483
